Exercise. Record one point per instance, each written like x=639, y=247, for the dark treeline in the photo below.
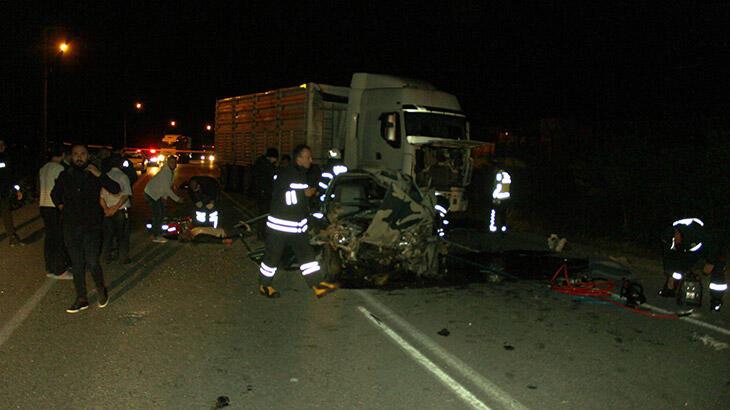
x=623, y=180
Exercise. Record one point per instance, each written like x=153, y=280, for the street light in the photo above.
x=172, y=123
x=208, y=127
x=63, y=48
x=138, y=106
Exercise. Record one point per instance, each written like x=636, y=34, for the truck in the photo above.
x=378, y=122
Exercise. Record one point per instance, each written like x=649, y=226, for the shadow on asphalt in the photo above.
x=22, y=225
x=462, y=269
x=34, y=236
x=146, y=262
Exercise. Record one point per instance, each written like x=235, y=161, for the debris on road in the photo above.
x=708, y=340
x=509, y=347
x=222, y=401
x=444, y=332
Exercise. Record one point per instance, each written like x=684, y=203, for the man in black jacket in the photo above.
x=287, y=227
x=76, y=194
x=263, y=174
x=6, y=190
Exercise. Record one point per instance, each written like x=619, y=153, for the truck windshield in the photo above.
x=435, y=125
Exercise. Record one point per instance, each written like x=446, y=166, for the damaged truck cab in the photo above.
x=409, y=126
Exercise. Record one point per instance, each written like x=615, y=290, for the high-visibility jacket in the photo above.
x=334, y=167
x=502, y=182
x=289, y=204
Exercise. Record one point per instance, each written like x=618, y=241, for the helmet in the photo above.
x=334, y=153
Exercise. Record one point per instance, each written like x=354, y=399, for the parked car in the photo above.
x=139, y=161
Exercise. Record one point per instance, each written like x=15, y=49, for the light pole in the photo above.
x=138, y=107
x=62, y=48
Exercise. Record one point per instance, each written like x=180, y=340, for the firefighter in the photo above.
x=500, y=196
x=333, y=167
x=685, y=243
x=203, y=192
x=287, y=227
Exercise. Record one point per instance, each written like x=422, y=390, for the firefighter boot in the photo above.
x=268, y=291
x=667, y=293
x=715, y=301
x=323, y=288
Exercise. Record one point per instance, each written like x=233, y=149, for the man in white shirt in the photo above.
x=157, y=190
x=116, y=212
x=54, y=250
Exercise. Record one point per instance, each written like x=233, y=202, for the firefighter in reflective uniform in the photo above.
x=287, y=227
x=334, y=166
x=500, y=196
x=685, y=243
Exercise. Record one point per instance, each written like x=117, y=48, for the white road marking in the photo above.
x=486, y=386
x=691, y=320
x=457, y=388
x=20, y=316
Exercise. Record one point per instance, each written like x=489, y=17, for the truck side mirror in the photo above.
x=389, y=129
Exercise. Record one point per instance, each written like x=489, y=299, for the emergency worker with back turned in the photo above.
x=500, y=198
x=287, y=227
x=685, y=243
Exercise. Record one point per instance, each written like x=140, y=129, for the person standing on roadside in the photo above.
x=54, y=250
x=156, y=192
x=263, y=176
x=116, y=212
x=76, y=194
x=7, y=188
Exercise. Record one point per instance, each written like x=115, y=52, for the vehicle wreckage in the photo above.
x=375, y=224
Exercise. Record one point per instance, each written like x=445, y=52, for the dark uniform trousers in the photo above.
x=276, y=243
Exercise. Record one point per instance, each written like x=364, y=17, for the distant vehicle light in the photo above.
x=172, y=229
x=211, y=158
x=202, y=157
x=149, y=226
x=152, y=151
x=17, y=187
x=165, y=227
x=160, y=158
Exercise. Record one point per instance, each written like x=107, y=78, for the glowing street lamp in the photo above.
x=173, y=123
x=63, y=48
x=138, y=107
x=208, y=127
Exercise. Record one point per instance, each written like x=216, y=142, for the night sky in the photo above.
x=509, y=63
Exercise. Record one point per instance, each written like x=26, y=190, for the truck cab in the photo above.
x=410, y=126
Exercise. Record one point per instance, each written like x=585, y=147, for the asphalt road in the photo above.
x=185, y=325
